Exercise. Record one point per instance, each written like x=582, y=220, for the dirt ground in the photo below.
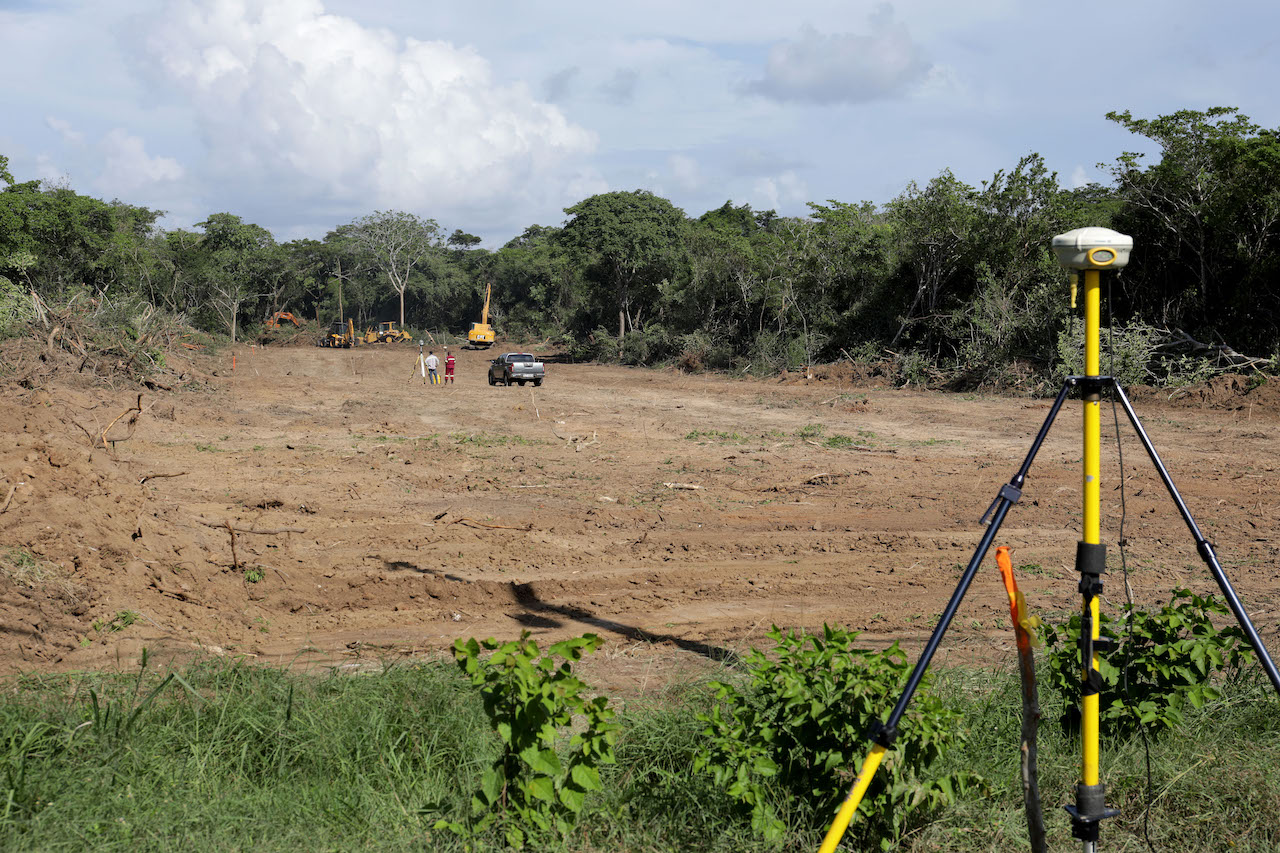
x=679, y=516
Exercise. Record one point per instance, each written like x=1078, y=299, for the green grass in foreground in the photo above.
x=229, y=756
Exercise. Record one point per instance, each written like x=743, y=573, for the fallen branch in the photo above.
x=158, y=476
x=232, y=530
x=1180, y=340
x=8, y=498
x=475, y=523
x=226, y=525
x=685, y=486
x=132, y=424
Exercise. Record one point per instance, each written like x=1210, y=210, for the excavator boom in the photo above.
x=481, y=335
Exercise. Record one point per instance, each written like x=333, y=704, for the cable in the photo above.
x=1124, y=570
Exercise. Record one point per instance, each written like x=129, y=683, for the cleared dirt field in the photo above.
x=679, y=516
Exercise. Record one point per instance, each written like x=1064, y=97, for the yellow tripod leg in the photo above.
x=869, y=766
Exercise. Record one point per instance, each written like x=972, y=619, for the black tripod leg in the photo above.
x=885, y=733
x=1203, y=547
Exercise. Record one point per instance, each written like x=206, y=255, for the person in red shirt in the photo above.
x=448, y=367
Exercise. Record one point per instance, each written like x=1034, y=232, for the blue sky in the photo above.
x=302, y=115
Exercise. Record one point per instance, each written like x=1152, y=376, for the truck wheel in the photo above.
x=492, y=381
x=537, y=382
x=521, y=383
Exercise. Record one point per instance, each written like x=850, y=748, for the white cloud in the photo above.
x=685, y=172
x=782, y=190
x=317, y=105
x=844, y=67
x=49, y=172
x=128, y=169
x=64, y=129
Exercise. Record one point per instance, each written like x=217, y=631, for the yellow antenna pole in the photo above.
x=1092, y=511
x=1091, y=250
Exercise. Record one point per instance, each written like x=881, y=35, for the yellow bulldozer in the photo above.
x=481, y=334
x=341, y=335
x=386, y=333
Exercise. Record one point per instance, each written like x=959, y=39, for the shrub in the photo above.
x=16, y=308
x=800, y=729
x=1171, y=658
x=651, y=345
x=530, y=701
x=596, y=346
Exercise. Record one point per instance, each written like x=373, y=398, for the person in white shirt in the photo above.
x=433, y=367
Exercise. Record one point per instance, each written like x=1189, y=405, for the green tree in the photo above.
x=238, y=261
x=933, y=230
x=628, y=243
x=1205, y=221
x=536, y=283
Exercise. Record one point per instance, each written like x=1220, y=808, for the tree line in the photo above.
x=947, y=277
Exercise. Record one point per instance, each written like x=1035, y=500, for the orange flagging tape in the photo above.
x=1024, y=623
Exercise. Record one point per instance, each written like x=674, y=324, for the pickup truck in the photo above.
x=513, y=367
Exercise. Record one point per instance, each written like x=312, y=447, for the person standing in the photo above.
x=433, y=368
x=448, y=367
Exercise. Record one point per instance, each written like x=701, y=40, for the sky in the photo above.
x=494, y=115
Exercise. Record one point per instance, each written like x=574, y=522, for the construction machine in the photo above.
x=279, y=318
x=386, y=333
x=481, y=334
x=340, y=335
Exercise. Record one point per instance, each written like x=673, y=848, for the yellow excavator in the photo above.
x=341, y=335
x=481, y=334
x=386, y=333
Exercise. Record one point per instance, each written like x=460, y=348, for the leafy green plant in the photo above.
x=799, y=730
x=530, y=702
x=16, y=305
x=1172, y=657
x=837, y=441
x=117, y=623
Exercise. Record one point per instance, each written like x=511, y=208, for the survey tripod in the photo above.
x=1090, y=250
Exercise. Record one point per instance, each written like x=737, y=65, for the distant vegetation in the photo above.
x=945, y=284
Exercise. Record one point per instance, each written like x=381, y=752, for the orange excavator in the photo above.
x=279, y=318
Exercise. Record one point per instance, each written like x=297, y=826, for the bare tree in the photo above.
x=227, y=296
x=397, y=243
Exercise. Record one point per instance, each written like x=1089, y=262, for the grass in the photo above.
x=488, y=439
x=24, y=569
x=221, y=754
x=703, y=436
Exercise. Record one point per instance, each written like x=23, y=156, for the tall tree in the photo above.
x=397, y=243
x=933, y=227
x=1205, y=220
x=238, y=262
x=631, y=241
